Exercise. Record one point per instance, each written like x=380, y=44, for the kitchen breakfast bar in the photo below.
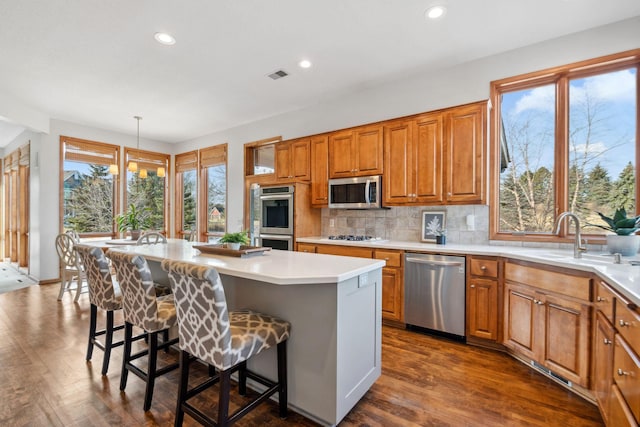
x=333, y=304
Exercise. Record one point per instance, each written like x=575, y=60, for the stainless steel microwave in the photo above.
x=361, y=192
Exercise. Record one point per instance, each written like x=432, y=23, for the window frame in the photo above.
x=199, y=160
x=560, y=76
x=148, y=159
x=185, y=162
x=99, y=147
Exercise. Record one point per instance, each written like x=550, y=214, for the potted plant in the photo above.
x=134, y=220
x=234, y=240
x=624, y=241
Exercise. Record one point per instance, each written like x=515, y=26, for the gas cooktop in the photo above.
x=355, y=238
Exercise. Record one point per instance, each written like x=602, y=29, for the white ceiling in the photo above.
x=96, y=63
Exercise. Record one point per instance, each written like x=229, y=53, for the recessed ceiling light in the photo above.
x=435, y=12
x=304, y=63
x=164, y=38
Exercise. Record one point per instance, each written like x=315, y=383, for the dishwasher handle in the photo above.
x=436, y=263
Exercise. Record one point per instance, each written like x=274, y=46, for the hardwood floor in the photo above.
x=45, y=381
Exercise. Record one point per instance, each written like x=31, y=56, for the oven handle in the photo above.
x=286, y=237
x=287, y=196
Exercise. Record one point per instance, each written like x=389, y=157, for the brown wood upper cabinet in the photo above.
x=436, y=158
x=292, y=160
x=464, y=154
x=319, y=171
x=413, y=160
x=356, y=152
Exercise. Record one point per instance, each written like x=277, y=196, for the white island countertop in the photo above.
x=624, y=277
x=274, y=266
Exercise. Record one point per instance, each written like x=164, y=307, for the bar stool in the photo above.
x=71, y=265
x=103, y=293
x=223, y=339
x=151, y=238
x=143, y=309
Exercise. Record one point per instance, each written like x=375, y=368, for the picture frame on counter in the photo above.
x=433, y=225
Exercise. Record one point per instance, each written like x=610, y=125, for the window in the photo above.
x=566, y=140
x=259, y=157
x=201, y=199
x=88, y=188
x=213, y=167
x=146, y=185
x=186, y=193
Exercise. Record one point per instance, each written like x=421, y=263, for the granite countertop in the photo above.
x=624, y=277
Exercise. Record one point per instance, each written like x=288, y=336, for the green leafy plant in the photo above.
x=241, y=237
x=620, y=223
x=134, y=219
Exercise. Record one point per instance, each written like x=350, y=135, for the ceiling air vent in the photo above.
x=278, y=74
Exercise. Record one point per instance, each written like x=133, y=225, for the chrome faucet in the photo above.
x=577, y=245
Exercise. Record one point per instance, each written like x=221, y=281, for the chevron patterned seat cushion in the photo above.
x=141, y=306
x=207, y=330
x=104, y=291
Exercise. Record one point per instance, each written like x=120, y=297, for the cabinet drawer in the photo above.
x=604, y=300
x=626, y=374
x=560, y=283
x=345, y=251
x=306, y=247
x=393, y=258
x=484, y=267
x=628, y=324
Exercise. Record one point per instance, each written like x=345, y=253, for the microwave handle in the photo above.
x=367, y=188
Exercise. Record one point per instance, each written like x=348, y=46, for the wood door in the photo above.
x=368, y=148
x=520, y=319
x=392, y=300
x=399, y=163
x=603, y=363
x=619, y=413
x=283, y=161
x=320, y=171
x=300, y=157
x=465, y=146
x=23, y=217
x=427, y=152
x=482, y=308
x=341, y=155
x=567, y=330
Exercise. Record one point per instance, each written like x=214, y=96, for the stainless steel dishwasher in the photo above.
x=434, y=293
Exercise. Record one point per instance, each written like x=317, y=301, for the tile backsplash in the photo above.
x=404, y=223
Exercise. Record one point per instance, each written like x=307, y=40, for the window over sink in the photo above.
x=564, y=139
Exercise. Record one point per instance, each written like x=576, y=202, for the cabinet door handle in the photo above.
x=537, y=301
x=622, y=373
x=607, y=341
x=623, y=323
x=483, y=267
x=472, y=286
x=600, y=299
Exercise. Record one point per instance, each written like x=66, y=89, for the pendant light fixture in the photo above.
x=133, y=166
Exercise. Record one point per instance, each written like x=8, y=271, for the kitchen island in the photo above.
x=333, y=304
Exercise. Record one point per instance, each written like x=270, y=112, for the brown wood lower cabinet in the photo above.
x=546, y=326
x=483, y=298
x=603, y=364
x=392, y=274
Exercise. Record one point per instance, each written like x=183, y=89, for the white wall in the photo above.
x=421, y=92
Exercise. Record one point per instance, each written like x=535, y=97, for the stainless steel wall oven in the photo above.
x=276, y=217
